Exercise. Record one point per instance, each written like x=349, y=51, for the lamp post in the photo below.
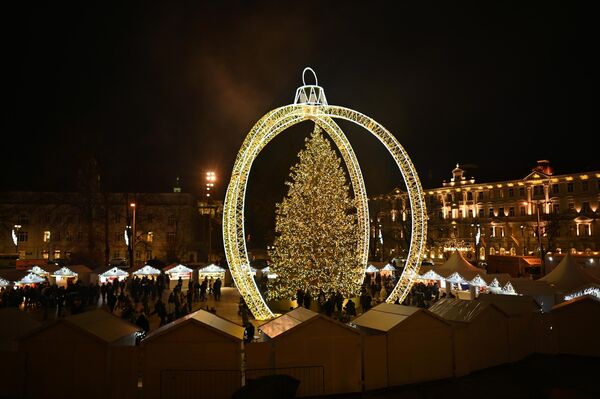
x=211, y=178
x=523, y=239
x=132, y=239
x=477, y=238
x=538, y=208
x=16, y=238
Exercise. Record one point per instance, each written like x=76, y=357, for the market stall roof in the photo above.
x=584, y=298
x=212, y=268
x=215, y=322
x=287, y=322
x=389, y=267
x=101, y=324
x=4, y=283
x=64, y=272
x=38, y=270
x=147, y=270
x=496, y=280
x=511, y=304
x=371, y=269
x=386, y=316
x=526, y=286
x=459, y=310
x=457, y=263
x=430, y=275
x=568, y=275
x=115, y=272
x=179, y=269
x=31, y=279
x=477, y=281
x=15, y=323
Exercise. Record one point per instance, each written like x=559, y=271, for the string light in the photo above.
x=315, y=246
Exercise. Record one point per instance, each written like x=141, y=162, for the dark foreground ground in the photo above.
x=537, y=376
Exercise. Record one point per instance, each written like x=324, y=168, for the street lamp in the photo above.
x=132, y=239
x=211, y=178
x=523, y=239
x=477, y=237
x=538, y=208
x=15, y=237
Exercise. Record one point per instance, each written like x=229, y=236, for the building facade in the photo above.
x=554, y=213
x=96, y=228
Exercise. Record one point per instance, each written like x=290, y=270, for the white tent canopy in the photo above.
x=568, y=275
x=430, y=275
x=38, y=270
x=4, y=283
x=179, y=269
x=114, y=272
x=478, y=282
x=64, y=272
x=457, y=263
x=147, y=270
x=372, y=269
x=212, y=268
x=31, y=278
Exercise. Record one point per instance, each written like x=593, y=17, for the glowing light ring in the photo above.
x=264, y=131
x=233, y=220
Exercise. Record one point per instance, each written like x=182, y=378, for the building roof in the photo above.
x=569, y=275
x=214, y=322
x=460, y=310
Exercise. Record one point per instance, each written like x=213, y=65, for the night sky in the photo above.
x=154, y=92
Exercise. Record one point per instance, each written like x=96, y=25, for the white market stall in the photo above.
x=113, y=274
x=38, y=271
x=576, y=324
x=480, y=334
x=211, y=271
x=146, y=271
x=179, y=272
x=98, y=363
x=30, y=279
x=324, y=354
x=64, y=276
x=404, y=345
x=199, y=340
x=372, y=269
x=388, y=270
x=4, y=283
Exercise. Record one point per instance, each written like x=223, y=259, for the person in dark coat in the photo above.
x=161, y=311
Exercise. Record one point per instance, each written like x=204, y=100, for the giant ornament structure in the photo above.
x=310, y=103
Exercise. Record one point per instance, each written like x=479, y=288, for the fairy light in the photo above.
x=315, y=246
x=315, y=108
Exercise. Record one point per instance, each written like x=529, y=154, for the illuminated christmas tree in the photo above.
x=315, y=247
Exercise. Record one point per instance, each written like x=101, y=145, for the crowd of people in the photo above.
x=134, y=299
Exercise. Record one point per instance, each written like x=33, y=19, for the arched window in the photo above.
x=492, y=251
x=513, y=251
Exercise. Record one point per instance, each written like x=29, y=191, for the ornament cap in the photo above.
x=310, y=94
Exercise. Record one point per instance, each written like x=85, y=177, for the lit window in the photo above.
x=45, y=254
x=57, y=254
x=46, y=237
x=150, y=236
x=22, y=236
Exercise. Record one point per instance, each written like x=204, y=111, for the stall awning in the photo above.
x=371, y=269
x=389, y=268
x=64, y=272
x=115, y=272
x=179, y=269
x=31, y=279
x=38, y=270
x=147, y=270
x=212, y=269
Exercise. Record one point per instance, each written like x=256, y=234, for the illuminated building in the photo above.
x=90, y=227
x=505, y=213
